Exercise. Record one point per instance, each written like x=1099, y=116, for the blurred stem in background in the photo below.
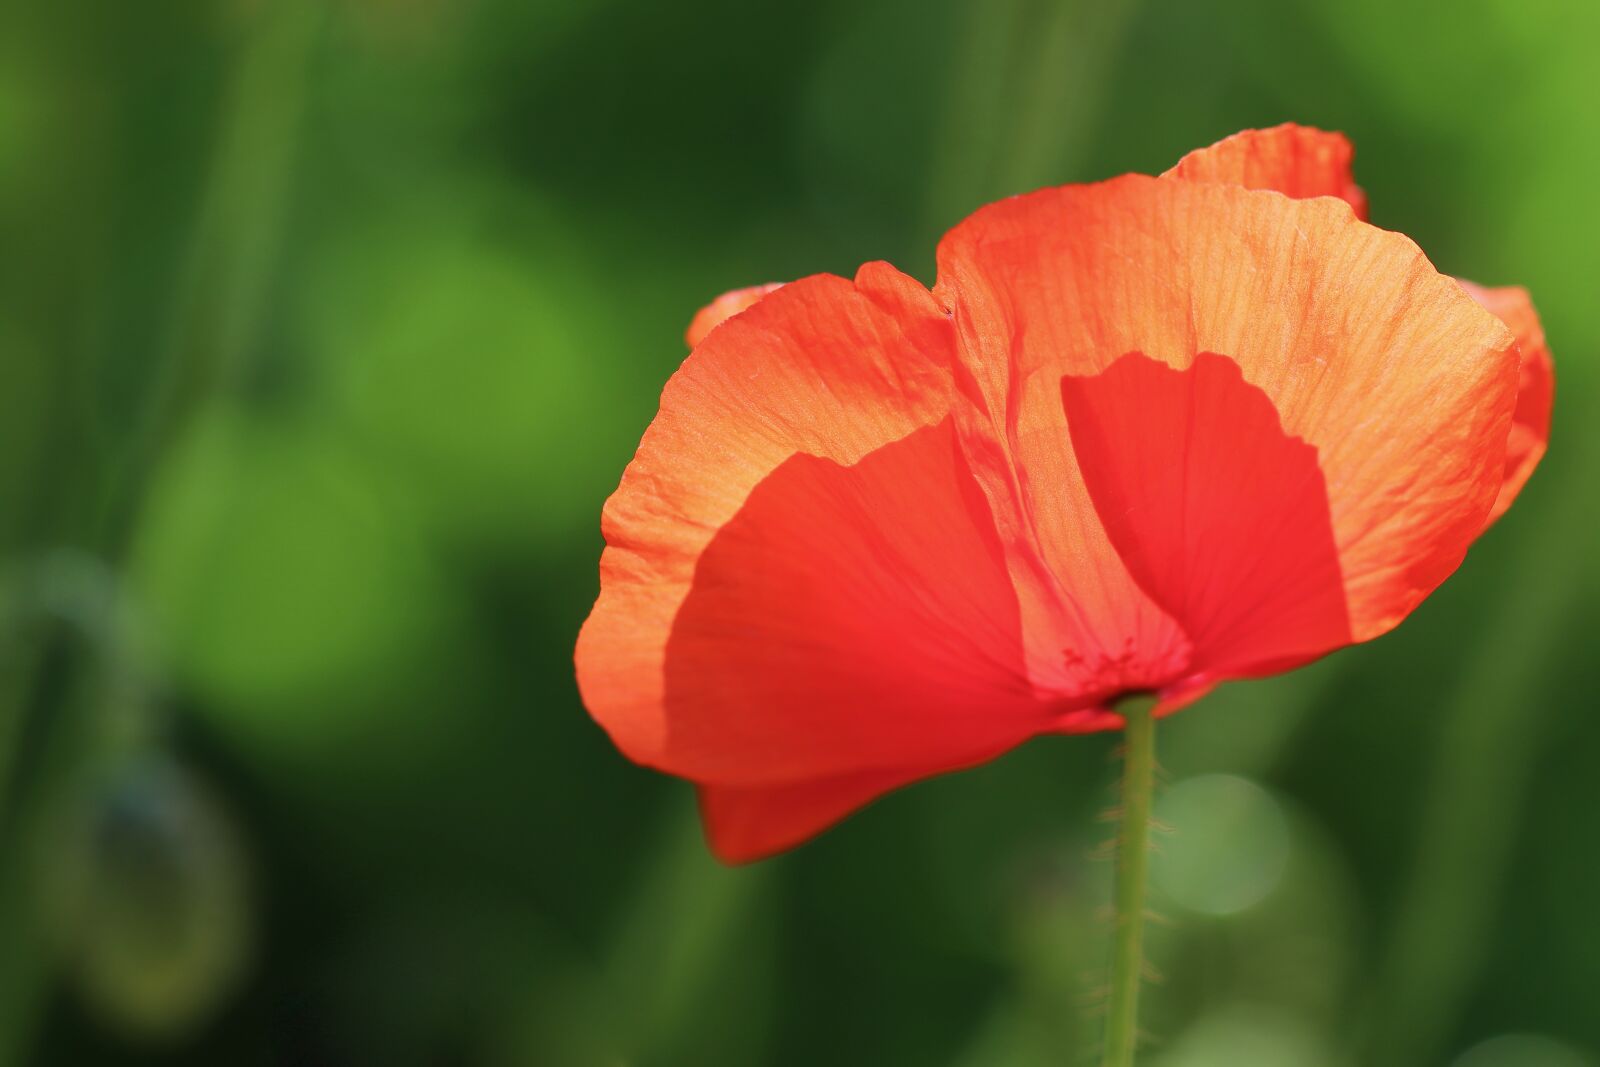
x=676, y=939
x=214, y=319
x=1133, y=871
x=1041, y=69
x=1482, y=765
x=217, y=308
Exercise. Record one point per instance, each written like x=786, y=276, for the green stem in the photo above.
x=1133, y=867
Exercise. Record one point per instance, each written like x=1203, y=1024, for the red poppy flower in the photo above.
x=1142, y=436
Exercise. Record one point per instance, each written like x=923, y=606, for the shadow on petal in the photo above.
x=1222, y=518
x=851, y=629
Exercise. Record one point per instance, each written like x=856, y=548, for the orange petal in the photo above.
x=1401, y=385
x=800, y=579
x=1298, y=161
x=1303, y=162
x=850, y=618
x=1530, y=425
x=723, y=308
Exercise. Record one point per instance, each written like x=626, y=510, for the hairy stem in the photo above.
x=1133, y=866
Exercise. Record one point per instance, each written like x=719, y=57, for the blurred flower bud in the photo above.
x=148, y=890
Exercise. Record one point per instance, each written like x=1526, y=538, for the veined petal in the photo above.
x=1298, y=161
x=1402, y=387
x=1530, y=424
x=1301, y=162
x=824, y=368
x=802, y=581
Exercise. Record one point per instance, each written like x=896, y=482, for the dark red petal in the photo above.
x=1220, y=515
x=850, y=618
x=745, y=823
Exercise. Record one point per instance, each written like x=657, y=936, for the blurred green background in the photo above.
x=325, y=330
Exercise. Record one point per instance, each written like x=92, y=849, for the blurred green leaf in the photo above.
x=286, y=583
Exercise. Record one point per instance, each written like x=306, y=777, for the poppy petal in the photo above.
x=1402, y=385
x=745, y=823
x=1090, y=632
x=850, y=618
x=1298, y=161
x=1530, y=424
x=800, y=579
x=723, y=308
